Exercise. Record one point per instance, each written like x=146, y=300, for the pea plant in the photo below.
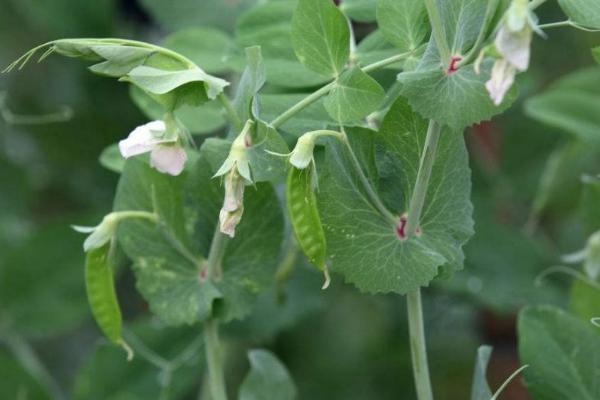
x=368, y=177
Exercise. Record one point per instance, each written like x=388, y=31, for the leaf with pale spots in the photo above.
x=169, y=258
x=363, y=245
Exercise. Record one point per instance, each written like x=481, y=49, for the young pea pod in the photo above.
x=304, y=214
x=102, y=296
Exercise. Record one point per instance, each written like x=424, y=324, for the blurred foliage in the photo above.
x=337, y=344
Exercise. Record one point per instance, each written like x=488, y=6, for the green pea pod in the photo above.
x=304, y=214
x=102, y=296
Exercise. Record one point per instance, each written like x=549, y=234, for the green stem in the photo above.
x=417, y=199
x=417, y=345
x=413, y=299
x=214, y=351
x=230, y=110
x=536, y=3
x=375, y=200
x=439, y=33
x=214, y=358
x=302, y=104
x=31, y=362
x=489, y=14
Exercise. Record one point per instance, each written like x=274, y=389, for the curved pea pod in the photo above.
x=304, y=215
x=100, y=287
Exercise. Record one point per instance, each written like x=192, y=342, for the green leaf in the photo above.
x=356, y=232
x=268, y=379
x=269, y=25
x=457, y=100
x=210, y=49
x=359, y=10
x=251, y=82
x=590, y=200
x=374, y=47
x=582, y=12
x=563, y=353
x=111, y=159
x=596, y=54
x=168, y=259
x=194, y=84
x=119, y=59
x=354, y=96
x=571, y=105
x=16, y=380
x=480, y=389
x=321, y=36
x=403, y=22
x=204, y=119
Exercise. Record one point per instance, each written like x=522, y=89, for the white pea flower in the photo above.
x=513, y=48
x=233, y=204
x=100, y=234
x=166, y=154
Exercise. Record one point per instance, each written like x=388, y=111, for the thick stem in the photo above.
x=214, y=352
x=417, y=345
x=413, y=299
x=214, y=358
x=437, y=28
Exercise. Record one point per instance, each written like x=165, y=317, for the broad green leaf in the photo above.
x=178, y=14
x=359, y=10
x=210, y=49
x=571, y=105
x=590, y=201
x=251, y=82
x=582, y=12
x=354, y=96
x=195, y=85
x=321, y=36
x=169, y=258
x=596, y=54
x=204, y=119
x=563, y=353
x=480, y=390
x=374, y=47
x=356, y=232
x=101, y=293
x=268, y=379
x=312, y=118
x=269, y=25
x=456, y=99
x=111, y=159
x=119, y=59
x=403, y=22
x=106, y=375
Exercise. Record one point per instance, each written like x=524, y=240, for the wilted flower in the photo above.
x=303, y=153
x=513, y=49
x=166, y=154
x=233, y=204
x=237, y=158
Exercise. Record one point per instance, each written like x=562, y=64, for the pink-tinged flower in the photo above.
x=503, y=77
x=166, y=155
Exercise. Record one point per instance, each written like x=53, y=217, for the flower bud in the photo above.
x=100, y=234
x=592, y=257
x=302, y=154
x=233, y=203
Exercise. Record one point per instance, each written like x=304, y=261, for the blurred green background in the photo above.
x=337, y=344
